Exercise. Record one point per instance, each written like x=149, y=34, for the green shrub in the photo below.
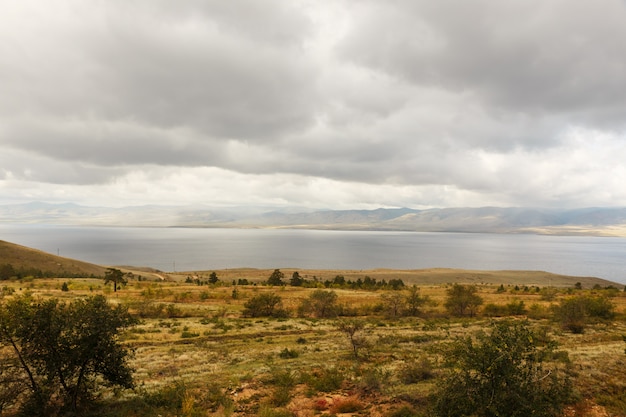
x=325, y=379
x=502, y=373
x=286, y=353
x=575, y=313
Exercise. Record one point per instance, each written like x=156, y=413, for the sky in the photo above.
x=318, y=104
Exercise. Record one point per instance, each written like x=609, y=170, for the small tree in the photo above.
x=320, y=303
x=462, y=300
x=65, y=350
x=115, y=276
x=393, y=303
x=502, y=373
x=353, y=329
x=264, y=305
x=296, y=279
x=414, y=301
x=276, y=278
x=213, y=279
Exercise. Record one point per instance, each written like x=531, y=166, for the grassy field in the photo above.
x=196, y=355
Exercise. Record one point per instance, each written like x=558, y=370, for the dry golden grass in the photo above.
x=201, y=340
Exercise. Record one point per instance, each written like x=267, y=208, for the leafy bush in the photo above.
x=325, y=379
x=462, y=300
x=320, y=303
x=63, y=350
x=286, y=353
x=502, y=374
x=264, y=305
x=574, y=313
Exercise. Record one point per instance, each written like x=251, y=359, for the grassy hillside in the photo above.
x=24, y=258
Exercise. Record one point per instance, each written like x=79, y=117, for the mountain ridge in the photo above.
x=600, y=221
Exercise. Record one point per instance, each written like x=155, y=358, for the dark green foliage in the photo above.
x=213, y=279
x=65, y=287
x=8, y=271
x=502, y=374
x=514, y=308
x=64, y=350
x=264, y=305
x=287, y=353
x=296, y=280
x=277, y=278
x=462, y=300
x=115, y=276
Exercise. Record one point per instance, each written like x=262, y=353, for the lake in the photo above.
x=189, y=249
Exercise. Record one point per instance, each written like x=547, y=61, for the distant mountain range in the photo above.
x=588, y=221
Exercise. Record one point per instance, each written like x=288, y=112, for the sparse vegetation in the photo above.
x=280, y=350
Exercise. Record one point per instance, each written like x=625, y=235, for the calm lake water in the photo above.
x=182, y=249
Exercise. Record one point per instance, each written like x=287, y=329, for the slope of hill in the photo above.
x=24, y=258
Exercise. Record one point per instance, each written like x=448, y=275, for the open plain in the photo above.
x=198, y=352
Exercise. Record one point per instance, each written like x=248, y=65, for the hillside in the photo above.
x=24, y=258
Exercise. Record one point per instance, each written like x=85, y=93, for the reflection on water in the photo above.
x=186, y=249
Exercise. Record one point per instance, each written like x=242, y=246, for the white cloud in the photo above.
x=345, y=104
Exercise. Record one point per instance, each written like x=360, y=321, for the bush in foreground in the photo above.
x=502, y=374
x=61, y=350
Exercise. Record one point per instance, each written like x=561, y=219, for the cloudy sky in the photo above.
x=321, y=104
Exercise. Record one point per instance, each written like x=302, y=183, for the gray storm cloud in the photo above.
x=492, y=99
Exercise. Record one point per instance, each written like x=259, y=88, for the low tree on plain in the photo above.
x=117, y=277
x=213, y=278
x=354, y=329
x=503, y=373
x=296, y=280
x=393, y=304
x=277, y=278
x=62, y=350
x=414, y=301
x=462, y=300
x=264, y=305
x=320, y=304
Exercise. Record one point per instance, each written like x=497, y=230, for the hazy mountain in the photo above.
x=599, y=221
